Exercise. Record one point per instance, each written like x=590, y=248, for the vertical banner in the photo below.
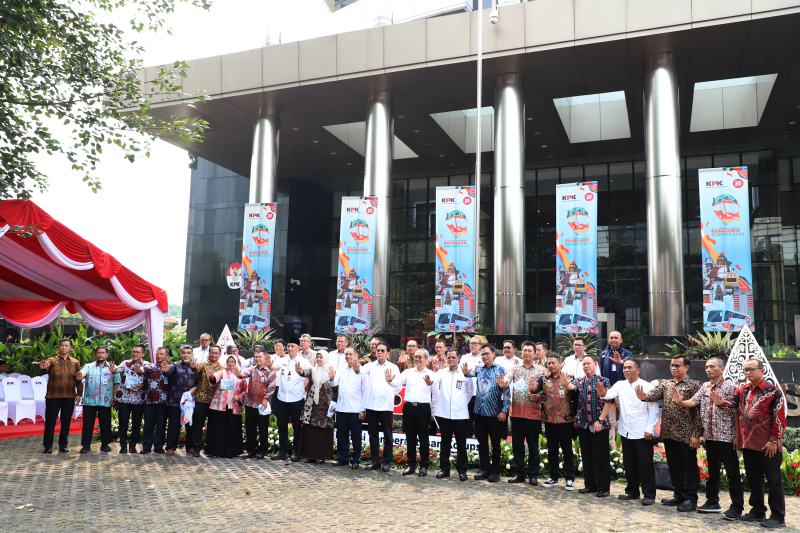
x=576, y=258
x=356, y=265
x=258, y=254
x=725, y=234
x=455, y=259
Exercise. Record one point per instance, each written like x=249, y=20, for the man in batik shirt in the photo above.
x=98, y=393
x=260, y=387
x=181, y=378
x=130, y=399
x=155, y=404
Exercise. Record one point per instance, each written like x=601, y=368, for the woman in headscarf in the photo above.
x=224, y=435
x=317, y=438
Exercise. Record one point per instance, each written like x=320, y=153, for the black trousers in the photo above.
x=525, y=429
x=256, y=427
x=286, y=412
x=380, y=421
x=596, y=458
x=637, y=458
x=90, y=412
x=51, y=409
x=472, y=417
x=683, y=471
x=722, y=453
x=155, y=425
x=348, y=430
x=560, y=435
x=489, y=428
x=198, y=421
x=460, y=429
x=416, y=425
x=130, y=413
x=758, y=466
x=174, y=428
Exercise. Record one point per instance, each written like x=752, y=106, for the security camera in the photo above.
x=494, y=17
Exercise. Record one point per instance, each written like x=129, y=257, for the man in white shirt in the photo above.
x=472, y=360
x=509, y=358
x=337, y=359
x=350, y=410
x=306, y=351
x=455, y=392
x=288, y=404
x=573, y=365
x=637, y=421
x=200, y=354
x=379, y=405
x=416, y=411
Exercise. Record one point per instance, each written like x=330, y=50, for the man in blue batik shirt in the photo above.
x=492, y=402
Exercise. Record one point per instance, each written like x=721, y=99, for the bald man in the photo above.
x=612, y=358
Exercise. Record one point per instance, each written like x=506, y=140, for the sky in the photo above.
x=140, y=215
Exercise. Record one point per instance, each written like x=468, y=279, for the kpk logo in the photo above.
x=352, y=210
x=457, y=223
x=715, y=183
x=448, y=200
x=260, y=235
x=569, y=197
x=727, y=208
x=361, y=232
x=578, y=220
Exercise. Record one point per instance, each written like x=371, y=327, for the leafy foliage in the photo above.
x=702, y=346
x=61, y=66
x=248, y=340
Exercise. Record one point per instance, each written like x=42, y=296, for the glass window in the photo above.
x=546, y=181
x=571, y=174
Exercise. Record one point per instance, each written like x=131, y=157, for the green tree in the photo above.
x=61, y=67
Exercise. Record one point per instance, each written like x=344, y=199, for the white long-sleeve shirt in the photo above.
x=352, y=390
x=573, y=367
x=507, y=363
x=473, y=361
x=636, y=417
x=200, y=355
x=380, y=394
x=292, y=387
x=454, y=394
x=336, y=360
x=417, y=391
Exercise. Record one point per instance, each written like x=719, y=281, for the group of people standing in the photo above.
x=579, y=397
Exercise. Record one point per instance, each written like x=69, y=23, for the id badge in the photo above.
x=226, y=384
x=165, y=379
x=459, y=383
x=614, y=368
x=560, y=393
x=105, y=380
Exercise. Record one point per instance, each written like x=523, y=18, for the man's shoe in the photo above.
x=85, y=449
x=144, y=451
x=196, y=454
x=340, y=463
x=773, y=524
x=671, y=502
x=494, y=478
x=123, y=449
x=687, y=506
x=250, y=455
x=132, y=448
x=354, y=466
x=648, y=501
x=570, y=485
x=373, y=466
x=260, y=455
x=410, y=470
x=550, y=482
x=443, y=474
x=170, y=452
x=311, y=461
x=519, y=478
x=627, y=496
x=423, y=471
x=280, y=456
x=709, y=507
x=732, y=515
x=603, y=494
x=47, y=450
x=533, y=482
x=482, y=476
x=586, y=490
x=385, y=467
x=295, y=458
x=752, y=517
x=105, y=448
x=189, y=451
x=159, y=450
x=63, y=449
x=462, y=476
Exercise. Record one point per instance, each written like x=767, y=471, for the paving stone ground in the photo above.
x=157, y=493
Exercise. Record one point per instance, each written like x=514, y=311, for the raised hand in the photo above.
x=502, y=381
x=601, y=389
x=617, y=358
x=112, y=367
x=465, y=369
x=403, y=358
x=389, y=375
x=677, y=397
x=137, y=368
x=427, y=379
x=533, y=383
x=164, y=367
x=640, y=392
x=298, y=367
x=716, y=397
x=268, y=360
x=331, y=372
x=357, y=367
x=193, y=364
x=79, y=375
x=44, y=364
x=564, y=379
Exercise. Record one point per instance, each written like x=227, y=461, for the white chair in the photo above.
x=4, y=412
x=26, y=387
x=78, y=411
x=18, y=408
x=39, y=386
x=14, y=375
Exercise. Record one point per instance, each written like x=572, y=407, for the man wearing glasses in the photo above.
x=288, y=405
x=337, y=358
x=452, y=413
x=762, y=418
x=681, y=430
x=306, y=351
x=379, y=405
x=509, y=359
x=401, y=359
x=200, y=354
x=473, y=361
x=573, y=365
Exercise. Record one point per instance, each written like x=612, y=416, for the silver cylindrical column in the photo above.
x=378, y=182
x=509, y=206
x=663, y=185
x=264, y=162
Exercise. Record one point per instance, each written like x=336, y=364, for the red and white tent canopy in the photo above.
x=57, y=268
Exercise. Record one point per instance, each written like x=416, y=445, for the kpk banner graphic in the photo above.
x=576, y=258
x=455, y=258
x=725, y=235
x=258, y=254
x=356, y=264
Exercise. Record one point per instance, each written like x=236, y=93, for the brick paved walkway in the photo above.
x=156, y=493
